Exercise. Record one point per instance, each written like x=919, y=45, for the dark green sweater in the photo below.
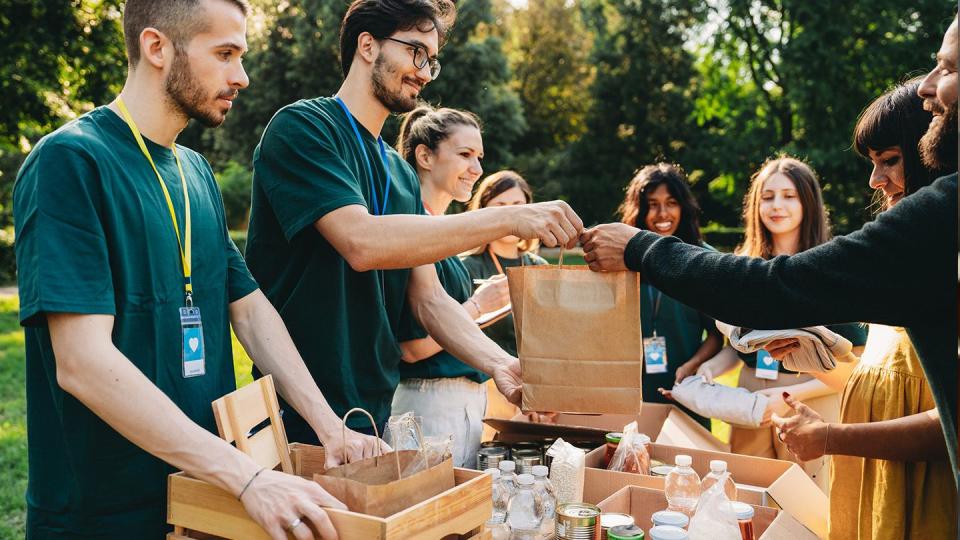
x=900, y=270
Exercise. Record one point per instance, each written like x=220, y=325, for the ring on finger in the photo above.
x=780, y=436
x=295, y=523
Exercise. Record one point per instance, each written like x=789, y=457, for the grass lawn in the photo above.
x=13, y=423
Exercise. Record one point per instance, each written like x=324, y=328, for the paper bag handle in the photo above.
x=376, y=434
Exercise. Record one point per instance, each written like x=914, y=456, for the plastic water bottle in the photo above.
x=508, y=477
x=718, y=468
x=682, y=486
x=525, y=510
x=500, y=499
x=544, y=488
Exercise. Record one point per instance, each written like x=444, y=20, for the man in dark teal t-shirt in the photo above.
x=129, y=284
x=337, y=237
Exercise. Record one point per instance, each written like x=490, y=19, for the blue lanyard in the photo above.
x=655, y=305
x=377, y=209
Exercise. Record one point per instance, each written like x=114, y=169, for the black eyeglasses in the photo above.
x=421, y=57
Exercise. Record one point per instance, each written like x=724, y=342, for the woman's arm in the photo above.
x=917, y=437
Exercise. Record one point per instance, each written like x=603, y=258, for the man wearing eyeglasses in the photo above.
x=338, y=238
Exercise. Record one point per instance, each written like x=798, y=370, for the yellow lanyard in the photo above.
x=184, y=245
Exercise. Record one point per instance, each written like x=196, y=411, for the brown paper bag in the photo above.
x=579, y=339
x=375, y=486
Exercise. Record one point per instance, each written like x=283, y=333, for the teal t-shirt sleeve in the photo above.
x=302, y=172
x=63, y=264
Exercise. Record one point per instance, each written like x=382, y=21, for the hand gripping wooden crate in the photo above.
x=198, y=509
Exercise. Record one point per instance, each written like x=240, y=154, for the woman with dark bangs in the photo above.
x=878, y=492
x=659, y=199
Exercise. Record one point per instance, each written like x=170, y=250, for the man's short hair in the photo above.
x=383, y=18
x=179, y=20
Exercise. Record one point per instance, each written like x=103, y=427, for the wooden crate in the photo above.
x=197, y=506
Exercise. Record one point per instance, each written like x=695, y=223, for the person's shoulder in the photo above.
x=86, y=135
x=316, y=114
x=82, y=141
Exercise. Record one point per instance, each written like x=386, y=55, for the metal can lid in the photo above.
x=661, y=470
x=613, y=437
x=743, y=510
x=578, y=510
x=668, y=532
x=669, y=517
x=625, y=532
x=614, y=519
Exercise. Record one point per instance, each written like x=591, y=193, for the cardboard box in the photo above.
x=760, y=481
x=641, y=503
x=665, y=424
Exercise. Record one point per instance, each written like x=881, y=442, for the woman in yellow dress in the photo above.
x=890, y=478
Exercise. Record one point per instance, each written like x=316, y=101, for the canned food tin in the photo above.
x=490, y=457
x=526, y=459
x=609, y=520
x=661, y=470
x=525, y=445
x=578, y=521
x=625, y=532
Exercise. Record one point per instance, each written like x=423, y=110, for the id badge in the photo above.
x=192, y=331
x=767, y=366
x=655, y=354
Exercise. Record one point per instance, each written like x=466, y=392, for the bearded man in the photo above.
x=338, y=236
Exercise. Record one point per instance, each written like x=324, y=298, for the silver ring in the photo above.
x=294, y=524
x=780, y=436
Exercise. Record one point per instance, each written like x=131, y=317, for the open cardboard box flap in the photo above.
x=665, y=424
x=642, y=502
x=760, y=481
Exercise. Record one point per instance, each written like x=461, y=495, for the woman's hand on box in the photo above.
x=281, y=503
x=804, y=433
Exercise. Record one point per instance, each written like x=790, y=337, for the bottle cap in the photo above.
x=668, y=532
x=540, y=470
x=743, y=510
x=525, y=479
x=718, y=465
x=681, y=460
x=494, y=472
x=669, y=517
x=507, y=466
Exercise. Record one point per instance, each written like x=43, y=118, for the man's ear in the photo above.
x=155, y=48
x=367, y=47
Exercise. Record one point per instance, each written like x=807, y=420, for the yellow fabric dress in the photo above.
x=875, y=499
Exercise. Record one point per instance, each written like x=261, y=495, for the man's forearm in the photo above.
x=406, y=241
x=447, y=322
x=264, y=336
x=917, y=437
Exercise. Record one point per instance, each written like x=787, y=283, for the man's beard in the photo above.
x=394, y=102
x=185, y=93
x=938, y=146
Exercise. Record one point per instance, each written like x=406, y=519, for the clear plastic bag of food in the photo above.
x=633, y=452
x=714, y=518
x=566, y=471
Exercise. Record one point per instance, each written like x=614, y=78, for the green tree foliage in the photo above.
x=640, y=100
x=814, y=67
x=57, y=60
